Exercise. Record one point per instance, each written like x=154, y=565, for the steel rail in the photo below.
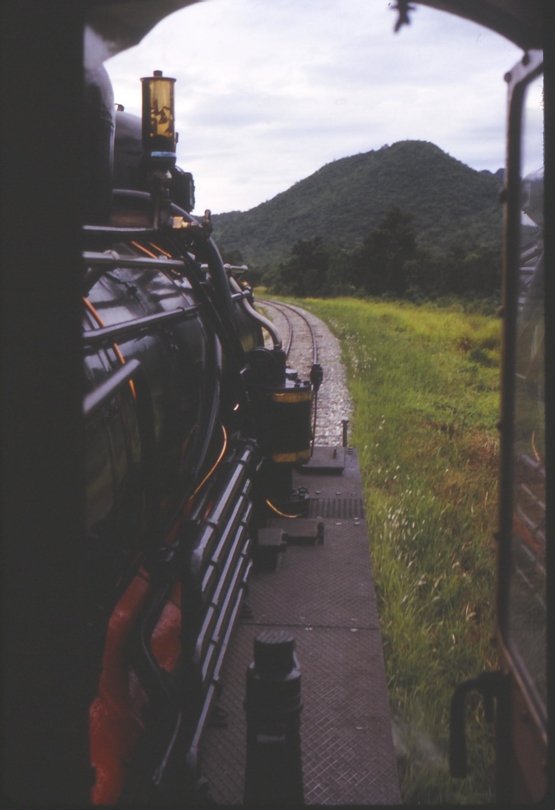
x=283, y=308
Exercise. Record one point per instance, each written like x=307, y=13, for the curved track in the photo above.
x=300, y=341
x=307, y=340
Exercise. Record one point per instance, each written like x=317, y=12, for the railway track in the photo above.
x=306, y=341
x=300, y=340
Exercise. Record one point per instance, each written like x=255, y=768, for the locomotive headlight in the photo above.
x=159, y=135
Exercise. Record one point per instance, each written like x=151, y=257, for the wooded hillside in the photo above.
x=450, y=204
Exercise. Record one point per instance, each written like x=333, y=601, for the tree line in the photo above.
x=390, y=261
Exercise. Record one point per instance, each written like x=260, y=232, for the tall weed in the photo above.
x=425, y=386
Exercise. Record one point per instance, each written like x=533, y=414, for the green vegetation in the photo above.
x=453, y=209
x=424, y=381
x=389, y=262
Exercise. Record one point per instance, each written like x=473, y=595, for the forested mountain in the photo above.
x=450, y=205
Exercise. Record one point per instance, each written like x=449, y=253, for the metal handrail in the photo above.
x=112, y=259
x=106, y=390
x=130, y=329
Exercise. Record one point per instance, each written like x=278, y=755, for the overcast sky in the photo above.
x=268, y=91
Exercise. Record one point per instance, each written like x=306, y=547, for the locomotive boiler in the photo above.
x=192, y=429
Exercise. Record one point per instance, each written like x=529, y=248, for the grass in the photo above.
x=425, y=386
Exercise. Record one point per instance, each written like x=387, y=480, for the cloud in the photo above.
x=269, y=90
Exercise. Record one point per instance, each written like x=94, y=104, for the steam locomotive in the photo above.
x=192, y=429
x=132, y=517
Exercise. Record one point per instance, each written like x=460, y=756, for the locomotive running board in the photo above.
x=324, y=596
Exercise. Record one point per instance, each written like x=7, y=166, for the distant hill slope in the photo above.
x=347, y=198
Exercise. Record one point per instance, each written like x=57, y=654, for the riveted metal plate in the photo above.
x=326, y=585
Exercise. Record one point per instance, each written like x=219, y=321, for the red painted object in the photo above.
x=116, y=714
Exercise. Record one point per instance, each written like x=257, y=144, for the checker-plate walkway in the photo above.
x=324, y=596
